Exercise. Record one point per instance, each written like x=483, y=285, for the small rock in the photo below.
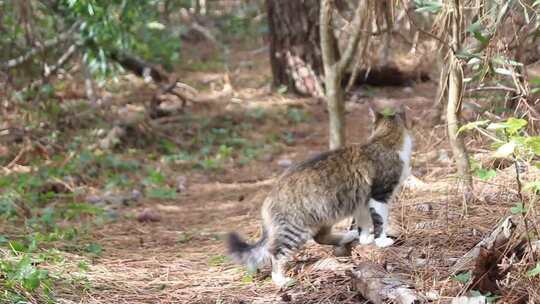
x=284, y=163
x=149, y=215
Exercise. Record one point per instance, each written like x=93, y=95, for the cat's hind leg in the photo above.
x=325, y=236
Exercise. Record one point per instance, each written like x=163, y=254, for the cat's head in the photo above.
x=389, y=116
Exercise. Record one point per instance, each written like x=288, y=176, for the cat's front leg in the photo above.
x=379, y=215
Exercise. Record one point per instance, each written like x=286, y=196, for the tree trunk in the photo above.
x=295, y=52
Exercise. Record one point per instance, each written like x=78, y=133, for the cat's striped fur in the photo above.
x=356, y=181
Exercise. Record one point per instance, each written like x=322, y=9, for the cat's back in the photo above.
x=330, y=168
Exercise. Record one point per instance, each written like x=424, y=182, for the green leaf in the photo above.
x=512, y=125
x=475, y=27
x=505, y=150
x=90, y=9
x=247, y=278
x=533, y=186
x=535, y=271
x=483, y=39
x=31, y=282
x=518, y=209
x=94, y=248
x=484, y=174
x=463, y=277
x=428, y=6
x=533, y=143
x=388, y=112
x=217, y=260
x=17, y=247
x=472, y=125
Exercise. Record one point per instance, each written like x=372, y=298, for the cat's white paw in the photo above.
x=349, y=237
x=384, y=241
x=365, y=239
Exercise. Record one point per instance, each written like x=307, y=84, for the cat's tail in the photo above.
x=251, y=255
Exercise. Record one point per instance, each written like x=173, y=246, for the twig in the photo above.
x=48, y=71
x=495, y=88
x=18, y=157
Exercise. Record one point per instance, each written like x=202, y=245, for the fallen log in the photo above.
x=378, y=286
x=497, y=238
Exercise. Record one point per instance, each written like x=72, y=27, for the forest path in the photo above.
x=182, y=258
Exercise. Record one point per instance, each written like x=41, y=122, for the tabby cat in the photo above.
x=355, y=181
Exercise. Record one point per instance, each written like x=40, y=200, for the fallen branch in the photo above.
x=498, y=237
x=378, y=286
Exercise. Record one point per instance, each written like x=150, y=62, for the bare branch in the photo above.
x=495, y=88
x=352, y=44
x=50, y=70
x=328, y=43
x=38, y=49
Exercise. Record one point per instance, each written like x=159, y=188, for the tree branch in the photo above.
x=328, y=47
x=48, y=71
x=40, y=48
x=352, y=44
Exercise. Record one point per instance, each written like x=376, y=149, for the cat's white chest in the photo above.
x=405, y=155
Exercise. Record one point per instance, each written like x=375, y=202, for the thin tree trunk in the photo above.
x=455, y=93
x=336, y=110
x=334, y=67
x=332, y=78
